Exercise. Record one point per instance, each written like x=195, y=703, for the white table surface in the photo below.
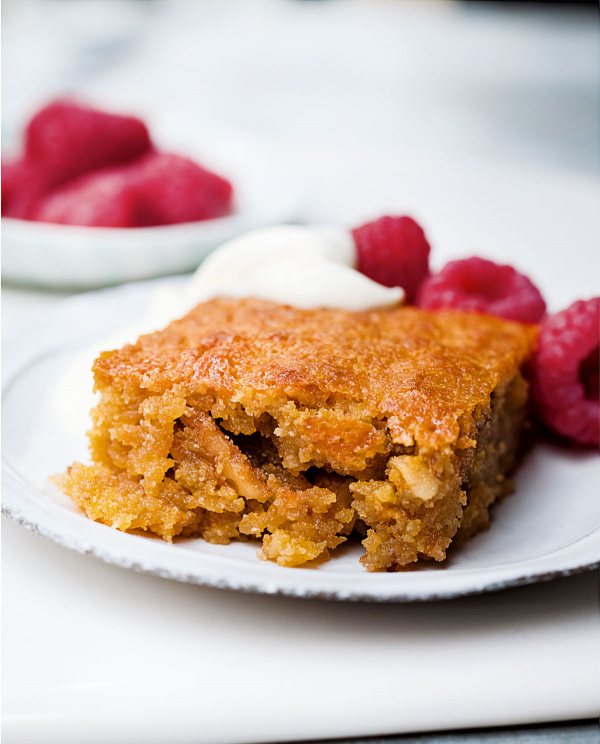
x=94, y=653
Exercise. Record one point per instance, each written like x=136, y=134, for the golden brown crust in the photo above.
x=250, y=420
x=420, y=371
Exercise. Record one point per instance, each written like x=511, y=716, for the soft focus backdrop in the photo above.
x=479, y=119
x=516, y=83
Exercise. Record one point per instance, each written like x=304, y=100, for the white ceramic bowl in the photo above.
x=67, y=256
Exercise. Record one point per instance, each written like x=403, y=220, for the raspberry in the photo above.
x=22, y=186
x=394, y=252
x=157, y=189
x=174, y=189
x=66, y=139
x=565, y=372
x=11, y=176
x=103, y=198
x=87, y=167
x=483, y=286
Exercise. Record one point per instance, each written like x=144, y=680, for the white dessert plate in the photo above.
x=69, y=256
x=549, y=527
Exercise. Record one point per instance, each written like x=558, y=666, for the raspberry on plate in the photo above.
x=394, y=252
x=103, y=198
x=66, y=139
x=565, y=372
x=482, y=286
x=174, y=189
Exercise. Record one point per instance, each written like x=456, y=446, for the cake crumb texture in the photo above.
x=247, y=420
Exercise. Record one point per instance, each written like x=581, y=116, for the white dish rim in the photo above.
x=81, y=257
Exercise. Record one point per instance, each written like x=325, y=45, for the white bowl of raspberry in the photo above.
x=94, y=200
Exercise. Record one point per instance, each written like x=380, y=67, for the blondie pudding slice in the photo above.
x=247, y=419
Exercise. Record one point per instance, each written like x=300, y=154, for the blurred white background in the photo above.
x=479, y=119
x=515, y=83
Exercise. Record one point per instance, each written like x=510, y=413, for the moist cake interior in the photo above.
x=252, y=421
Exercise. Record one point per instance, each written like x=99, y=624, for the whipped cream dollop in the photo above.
x=302, y=266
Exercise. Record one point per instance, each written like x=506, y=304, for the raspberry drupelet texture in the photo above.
x=173, y=189
x=565, y=372
x=22, y=186
x=102, y=198
x=87, y=167
x=66, y=139
x=482, y=286
x=394, y=252
x=156, y=189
